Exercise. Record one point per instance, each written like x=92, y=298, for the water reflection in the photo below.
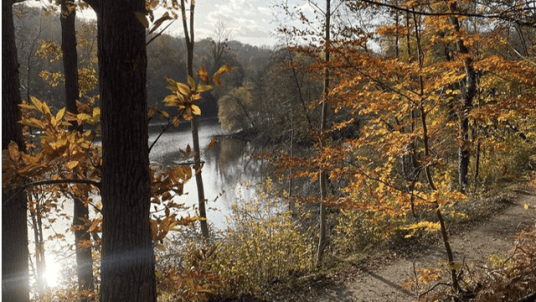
x=226, y=166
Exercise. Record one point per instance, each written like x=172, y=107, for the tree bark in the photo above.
x=323, y=191
x=127, y=268
x=15, y=277
x=84, y=260
x=466, y=105
x=189, y=36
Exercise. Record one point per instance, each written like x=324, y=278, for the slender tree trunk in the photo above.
x=33, y=206
x=127, y=268
x=410, y=169
x=477, y=162
x=466, y=105
x=189, y=36
x=323, y=191
x=199, y=179
x=428, y=172
x=84, y=260
x=15, y=277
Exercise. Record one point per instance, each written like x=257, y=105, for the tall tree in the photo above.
x=15, y=277
x=127, y=268
x=84, y=261
x=189, y=36
x=323, y=174
x=469, y=93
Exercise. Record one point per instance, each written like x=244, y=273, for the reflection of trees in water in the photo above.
x=233, y=162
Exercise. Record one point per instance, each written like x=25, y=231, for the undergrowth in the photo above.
x=262, y=247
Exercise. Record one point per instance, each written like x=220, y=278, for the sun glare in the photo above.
x=52, y=273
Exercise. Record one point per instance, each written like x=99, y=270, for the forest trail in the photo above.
x=478, y=240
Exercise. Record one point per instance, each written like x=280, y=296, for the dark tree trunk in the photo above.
x=15, y=279
x=84, y=261
x=465, y=106
x=189, y=37
x=127, y=269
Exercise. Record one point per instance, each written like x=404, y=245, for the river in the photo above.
x=227, y=165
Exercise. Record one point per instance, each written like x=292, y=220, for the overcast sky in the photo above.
x=249, y=21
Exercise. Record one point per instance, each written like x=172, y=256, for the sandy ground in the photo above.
x=490, y=236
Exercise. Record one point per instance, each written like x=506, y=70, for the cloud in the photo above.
x=246, y=19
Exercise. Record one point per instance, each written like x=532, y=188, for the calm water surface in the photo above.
x=228, y=164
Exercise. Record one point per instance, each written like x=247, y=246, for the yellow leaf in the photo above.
x=38, y=105
x=203, y=88
x=183, y=89
x=83, y=116
x=191, y=82
x=196, y=110
x=60, y=114
x=26, y=106
x=70, y=165
x=170, y=100
x=526, y=206
x=96, y=112
x=45, y=108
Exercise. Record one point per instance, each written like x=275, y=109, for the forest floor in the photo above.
x=381, y=278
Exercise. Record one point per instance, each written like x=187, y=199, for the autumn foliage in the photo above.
x=423, y=113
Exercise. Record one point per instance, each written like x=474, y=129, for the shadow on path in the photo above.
x=391, y=284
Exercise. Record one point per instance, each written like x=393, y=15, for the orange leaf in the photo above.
x=203, y=74
x=212, y=143
x=14, y=153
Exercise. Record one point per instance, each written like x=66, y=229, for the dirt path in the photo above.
x=490, y=236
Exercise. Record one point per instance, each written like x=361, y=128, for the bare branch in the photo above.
x=52, y=182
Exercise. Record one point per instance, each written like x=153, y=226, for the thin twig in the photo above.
x=52, y=182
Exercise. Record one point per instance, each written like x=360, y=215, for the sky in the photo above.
x=249, y=21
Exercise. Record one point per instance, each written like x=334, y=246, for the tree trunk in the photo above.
x=465, y=107
x=427, y=171
x=322, y=233
x=199, y=179
x=84, y=261
x=15, y=277
x=189, y=36
x=127, y=268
